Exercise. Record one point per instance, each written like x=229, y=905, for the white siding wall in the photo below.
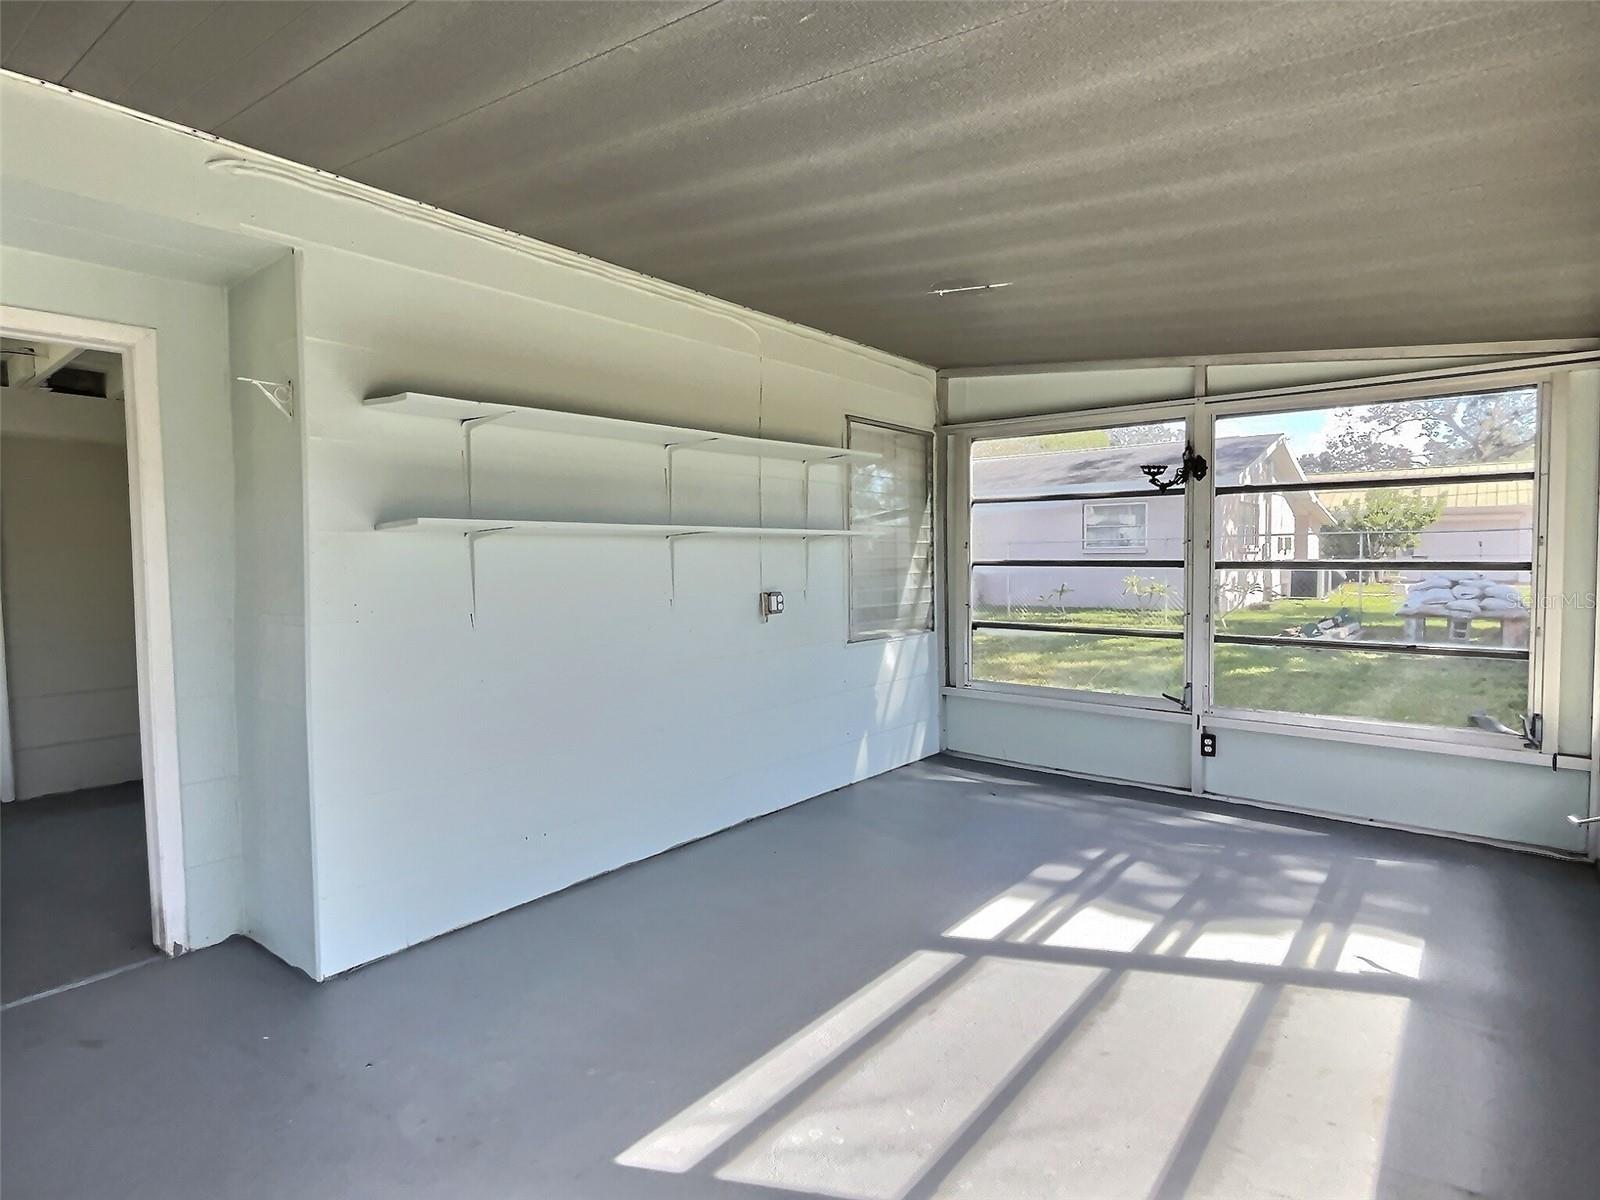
x=274, y=796
x=452, y=772
x=583, y=722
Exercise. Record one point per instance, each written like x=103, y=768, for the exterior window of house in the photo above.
x=1077, y=562
x=1415, y=603
x=1115, y=528
x=891, y=570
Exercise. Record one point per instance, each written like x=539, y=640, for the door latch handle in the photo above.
x=1577, y=820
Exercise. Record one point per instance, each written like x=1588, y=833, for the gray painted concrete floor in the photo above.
x=74, y=888
x=951, y=980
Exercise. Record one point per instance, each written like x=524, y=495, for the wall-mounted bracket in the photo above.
x=468, y=427
x=281, y=395
x=805, y=482
x=472, y=539
x=670, y=448
x=672, y=564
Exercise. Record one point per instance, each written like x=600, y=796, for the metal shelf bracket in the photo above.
x=281, y=395
x=672, y=564
x=468, y=427
x=472, y=540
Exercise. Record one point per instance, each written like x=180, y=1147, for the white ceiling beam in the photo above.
x=49, y=360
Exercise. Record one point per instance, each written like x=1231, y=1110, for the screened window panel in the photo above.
x=1376, y=560
x=1077, y=566
x=1443, y=435
x=1119, y=597
x=1080, y=662
x=1465, y=521
x=1441, y=690
x=891, y=569
x=1083, y=462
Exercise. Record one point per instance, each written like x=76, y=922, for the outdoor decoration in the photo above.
x=1461, y=594
x=1194, y=467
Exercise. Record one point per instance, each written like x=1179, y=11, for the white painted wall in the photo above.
x=190, y=322
x=584, y=722
x=452, y=772
x=269, y=616
x=66, y=572
x=1508, y=801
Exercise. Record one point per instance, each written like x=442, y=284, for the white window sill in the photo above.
x=1077, y=702
x=1266, y=725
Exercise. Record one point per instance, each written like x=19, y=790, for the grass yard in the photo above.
x=1419, y=689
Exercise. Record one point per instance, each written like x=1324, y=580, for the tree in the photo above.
x=1379, y=524
x=1492, y=427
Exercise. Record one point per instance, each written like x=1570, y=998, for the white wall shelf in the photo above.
x=487, y=525
x=546, y=420
x=472, y=415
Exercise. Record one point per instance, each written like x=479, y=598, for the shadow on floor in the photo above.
x=952, y=980
x=74, y=888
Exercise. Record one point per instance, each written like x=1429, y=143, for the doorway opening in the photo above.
x=91, y=879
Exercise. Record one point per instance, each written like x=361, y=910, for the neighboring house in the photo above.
x=1125, y=532
x=1488, y=521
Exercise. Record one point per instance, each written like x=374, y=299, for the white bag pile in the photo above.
x=1461, y=594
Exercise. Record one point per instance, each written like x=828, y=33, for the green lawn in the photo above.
x=1419, y=689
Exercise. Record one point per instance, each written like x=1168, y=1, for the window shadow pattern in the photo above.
x=1162, y=1017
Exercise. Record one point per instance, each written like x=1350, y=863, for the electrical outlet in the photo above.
x=1208, y=744
x=771, y=604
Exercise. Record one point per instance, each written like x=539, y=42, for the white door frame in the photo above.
x=152, y=600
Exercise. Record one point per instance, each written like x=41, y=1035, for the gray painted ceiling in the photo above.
x=1151, y=178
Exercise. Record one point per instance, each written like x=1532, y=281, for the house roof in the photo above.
x=1108, y=469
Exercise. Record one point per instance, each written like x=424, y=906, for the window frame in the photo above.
x=1144, y=527
x=1201, y=413
x=1376, y=728
x=929, y=438
x=958, y=517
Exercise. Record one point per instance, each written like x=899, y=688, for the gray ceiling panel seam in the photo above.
x=98, y=38
x=153, y=61
x=297, y=12
x=14, y=43
x=517, y=91
x=217, y=7
x=222, y=124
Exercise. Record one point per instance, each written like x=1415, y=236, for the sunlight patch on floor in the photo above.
x=1307, y=1117
x=872, y=1130
x=685, y=1140
x=1090, y=1125
x=1104, y=1028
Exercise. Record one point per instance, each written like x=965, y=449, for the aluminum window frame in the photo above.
x=1201, y=412
x=1538, y=692
x=960, y=562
